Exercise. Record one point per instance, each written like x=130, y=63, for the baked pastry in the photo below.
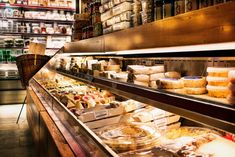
x=219, y=71
x=217, y=81
x=218, y=91
x=170, y=83
x=195, y=91
x=194, y=81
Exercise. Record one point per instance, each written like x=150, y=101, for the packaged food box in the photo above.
x=123, y=7
x=106, y=15
x=122, y=25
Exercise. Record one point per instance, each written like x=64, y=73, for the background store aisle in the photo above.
x=16, y=139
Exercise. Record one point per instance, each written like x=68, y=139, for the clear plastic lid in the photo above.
x=123, y=137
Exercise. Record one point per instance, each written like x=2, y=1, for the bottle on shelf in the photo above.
x=179, y=7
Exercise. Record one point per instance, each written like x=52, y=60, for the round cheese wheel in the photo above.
x=173, y=74
x=170, y=83
x=194, y=81
x=195, y=91
x=217, y=81
x=219, y=71
x=231, y=76
x=217, y=91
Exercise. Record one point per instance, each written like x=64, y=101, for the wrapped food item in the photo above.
x=195, y=91
x=219, y=71
x=120, y=76
x=131, y=105
x=125, y=137
x=169, y=83
x=156, y=76
x=194, y=81
x=146, y=84
x=172, y=74
x=138, y=69
x=217, y=81
x=218, y=91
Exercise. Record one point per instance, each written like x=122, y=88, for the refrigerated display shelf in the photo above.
x=32, y=34
x=209, y=112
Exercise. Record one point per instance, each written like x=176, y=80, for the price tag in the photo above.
x=101, y=114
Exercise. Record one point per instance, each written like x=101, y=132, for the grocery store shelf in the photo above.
x=31, y=34
x=216, y=114
x=31, y=7
x=209, y=25
x=39, y=20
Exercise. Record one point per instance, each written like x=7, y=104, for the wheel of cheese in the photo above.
x=170, y=83
x=172, y=74
x=195, y=91
x=217, y=91
x=154, y=77
x=138, y=69
x=194, y=81
x=219, y=71
x=231, y=76
x=217, y=81
x=231, y=99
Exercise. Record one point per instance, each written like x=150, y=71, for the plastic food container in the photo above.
x=124, y=137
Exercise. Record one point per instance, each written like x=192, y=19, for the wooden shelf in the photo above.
x=213, y=24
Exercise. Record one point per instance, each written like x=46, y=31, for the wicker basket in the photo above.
x=28, y=65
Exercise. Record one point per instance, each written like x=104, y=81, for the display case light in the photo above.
x=180, y=49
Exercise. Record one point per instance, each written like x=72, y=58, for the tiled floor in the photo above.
x=15, y=139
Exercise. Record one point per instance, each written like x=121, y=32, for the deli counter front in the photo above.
x=117, y=104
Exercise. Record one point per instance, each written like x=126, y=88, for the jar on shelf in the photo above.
x=62, y=15
x=55, y=15
x=49, y=15
x=35, y=28
x=69, y=17
x=43, y=28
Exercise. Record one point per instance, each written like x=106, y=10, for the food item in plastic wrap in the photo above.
x=195, y=91
x=170, y=83
x=121, y=26
x=136, y=17
x=194, y=81
x=131, y=105
x=147, y=13
x=217, y=81
x=219, y=147
x=156, y=151
x=106, y=15
x=217, y=91
x=123, y=7
x=138, y=69
x=219, y=71
x=173, y=74
x=115, y=68
x=120, y=76
x=146, y=84
x=141, y=78
x=156, y=76
x=125, y=137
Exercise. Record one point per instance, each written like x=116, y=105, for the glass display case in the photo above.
x=102, y=98
x=144, y=92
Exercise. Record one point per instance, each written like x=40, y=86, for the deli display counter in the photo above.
x=129, y=105
x=162, y=89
